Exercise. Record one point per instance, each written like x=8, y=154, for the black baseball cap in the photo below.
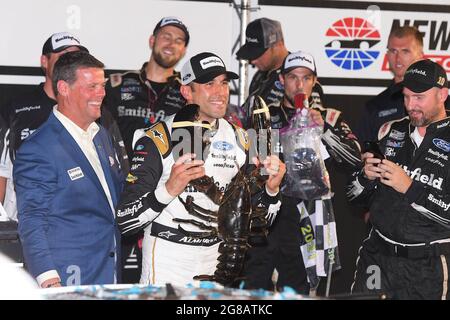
x=424, y=75
x=61, y=41
x=204, y=67
x=172, y=21
x=260, y=35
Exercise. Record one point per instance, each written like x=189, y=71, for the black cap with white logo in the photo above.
x=175, y=22
x=204, y=67
x=61, y=41
x=424, y=75
x=260, y=34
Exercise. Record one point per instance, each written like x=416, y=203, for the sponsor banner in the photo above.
x=351, y=43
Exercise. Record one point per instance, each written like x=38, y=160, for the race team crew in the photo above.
x=385, y=107
x=265, y=49
x=418, y=217
x=410, y=238
x=284, y=240
x=136, y=102
x=169, y=254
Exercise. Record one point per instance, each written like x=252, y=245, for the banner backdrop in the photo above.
x=349, y=38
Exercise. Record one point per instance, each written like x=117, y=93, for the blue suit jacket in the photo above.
x=65, y=220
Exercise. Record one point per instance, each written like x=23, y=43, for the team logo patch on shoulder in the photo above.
x=116, y=79
x=332, y=116
x=158, y=133
x=442, y=144
x=384, y=130
x=397, y=135
x=242, y=137
x=131, y=178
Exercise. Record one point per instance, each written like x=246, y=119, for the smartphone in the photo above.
x=372, y=147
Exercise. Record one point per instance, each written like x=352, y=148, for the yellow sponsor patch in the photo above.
x=158, y=133
x=242, y=137
x=131, y=178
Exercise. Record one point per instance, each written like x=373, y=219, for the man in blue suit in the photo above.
x=68, y=181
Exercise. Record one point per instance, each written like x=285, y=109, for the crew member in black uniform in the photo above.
x=406, y=255
x=405, y=46
x=282, y=252
x=265, y=49
x=137, y=99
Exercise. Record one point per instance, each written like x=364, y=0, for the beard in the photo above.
x=422, y=122
x=164, y=62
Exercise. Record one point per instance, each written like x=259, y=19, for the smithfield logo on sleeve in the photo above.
x=441, y=144
x=139, y=147
x=442, y=125
x=222, y=145
x=439, y=202
x=211, y=62
x=75, y=173
x=352, y=39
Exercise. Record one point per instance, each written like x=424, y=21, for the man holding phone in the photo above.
x=409, y=244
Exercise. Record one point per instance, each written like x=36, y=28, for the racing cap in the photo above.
x=172, y=21
x=61, y=41
x=424, y=75
x=260, y=35
x=204, y=67
x=298, y=59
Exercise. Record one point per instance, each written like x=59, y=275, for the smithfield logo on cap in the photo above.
x=251, y=40
x=64, y=39
x=170, y=20
x=300, y=58
x=211, y=62
x=417, y=71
